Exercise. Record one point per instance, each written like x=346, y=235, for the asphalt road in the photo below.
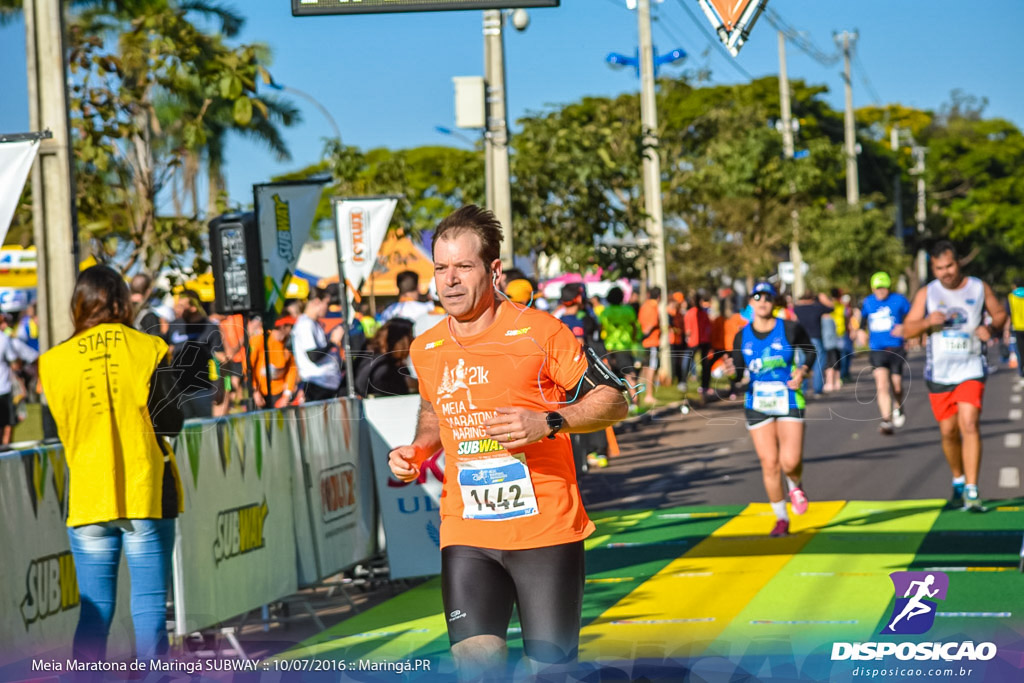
x=707, y=458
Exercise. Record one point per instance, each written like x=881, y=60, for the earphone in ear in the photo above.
x=494, y=279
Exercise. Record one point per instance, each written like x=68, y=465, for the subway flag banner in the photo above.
x=311, y=7
x=285, y=213
x=362, y=223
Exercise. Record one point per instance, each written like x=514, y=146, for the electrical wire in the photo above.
x=713, y=40
x=804, y=44
x=862, y=72
x=662, y=23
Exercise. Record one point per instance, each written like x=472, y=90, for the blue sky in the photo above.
x=387, y=78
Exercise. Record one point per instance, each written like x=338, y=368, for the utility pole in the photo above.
x=852, y=185
x=652, y=173
x=795, y=256
x=921, y=214
x=53, y=212
x=897, y=185
x=499, y=189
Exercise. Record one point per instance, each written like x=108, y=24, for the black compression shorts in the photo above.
x=892, y=358
x=479, y=586
x=756, y=419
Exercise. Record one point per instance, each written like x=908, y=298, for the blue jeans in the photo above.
x=96, y=548
x=818, y=371
x=847, y=351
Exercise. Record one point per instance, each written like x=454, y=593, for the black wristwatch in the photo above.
x=555, y=423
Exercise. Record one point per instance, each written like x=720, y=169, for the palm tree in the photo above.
x=155, y=96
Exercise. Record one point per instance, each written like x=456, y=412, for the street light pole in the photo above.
x=499, y=187
x=849, y=126
x=788, y=150
x=652, y=172
x=309, y=98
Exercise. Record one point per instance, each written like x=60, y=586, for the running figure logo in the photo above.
x=453, y=381
x=914, y=613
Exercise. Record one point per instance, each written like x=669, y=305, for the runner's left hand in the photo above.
x=517, y=427
x=796, y=379
x=983, y=333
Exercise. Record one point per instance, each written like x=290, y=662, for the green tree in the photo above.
x=433, y=181
x=576, y=180
x=846, y=244
x=731, y=195
x=150, y=89
x=975, y=173
x=152, y=95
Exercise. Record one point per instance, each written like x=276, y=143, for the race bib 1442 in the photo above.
x=496, y=489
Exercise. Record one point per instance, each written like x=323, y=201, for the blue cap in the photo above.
x=764, y=288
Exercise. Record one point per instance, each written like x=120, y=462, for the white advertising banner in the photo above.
x=410, y=511
x=39, y=597
x=235, y=549
x=337, y=488
x=15, y=162
x=285, y=212
x=362, y=224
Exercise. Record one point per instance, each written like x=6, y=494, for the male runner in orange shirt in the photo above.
x=512, y=520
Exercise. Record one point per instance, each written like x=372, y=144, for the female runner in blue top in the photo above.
x=767, y=349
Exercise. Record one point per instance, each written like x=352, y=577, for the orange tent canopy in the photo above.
x=396, y=254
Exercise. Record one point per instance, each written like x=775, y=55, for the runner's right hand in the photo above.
x=936, y=319
x=401, y=461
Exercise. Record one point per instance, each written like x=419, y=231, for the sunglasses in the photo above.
x=760, y=296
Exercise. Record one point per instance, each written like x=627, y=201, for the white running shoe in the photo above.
x=898, y=418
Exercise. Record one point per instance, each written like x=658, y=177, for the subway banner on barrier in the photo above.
x=235, y=548
x=362, y=224
x=410, y=511
x=335, y=492
x=285, y=213
x=15, y=162
x=39, y=597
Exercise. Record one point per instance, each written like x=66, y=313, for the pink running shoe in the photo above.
x=798, y=499
x=781, y=528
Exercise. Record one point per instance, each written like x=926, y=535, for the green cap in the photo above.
x=880, y=279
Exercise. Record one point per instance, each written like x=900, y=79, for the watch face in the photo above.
x=555, y=422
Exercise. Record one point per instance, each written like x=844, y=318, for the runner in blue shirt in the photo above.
x=882, y=315
x=766, y=348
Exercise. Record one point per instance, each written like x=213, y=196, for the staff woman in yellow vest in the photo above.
x=1016, y=301
x=110, y=403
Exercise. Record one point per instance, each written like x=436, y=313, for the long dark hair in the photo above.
x=101, y=296
x=390, y=334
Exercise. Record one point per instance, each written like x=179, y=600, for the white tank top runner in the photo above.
x=955, y=354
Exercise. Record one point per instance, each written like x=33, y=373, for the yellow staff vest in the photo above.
x=97, y=387
x=1017, y=309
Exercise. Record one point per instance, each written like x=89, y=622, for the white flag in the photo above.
x=15, y=162
x=285, y=212
x=362, y=225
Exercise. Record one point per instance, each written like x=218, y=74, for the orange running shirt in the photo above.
x=733, y=325
x=525, y=359
x=231, y=329
x=648, y=319
x=284, y=374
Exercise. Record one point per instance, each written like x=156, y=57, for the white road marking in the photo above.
x=1009, y=477
x=1016, y=414
x=1016, y=398
x=1012, y=440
